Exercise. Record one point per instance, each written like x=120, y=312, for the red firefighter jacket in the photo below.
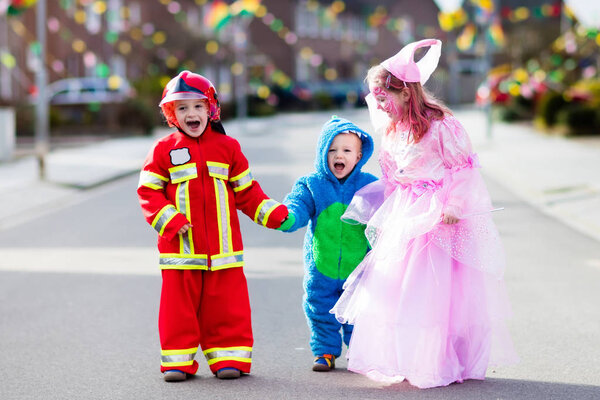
x=202, y=181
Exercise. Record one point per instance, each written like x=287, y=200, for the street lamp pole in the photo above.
x=488, y=104
x=41, y=124
x=488, y=66
x=240, y=43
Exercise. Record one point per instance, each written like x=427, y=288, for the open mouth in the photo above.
x=193, y=124
x=339, y=166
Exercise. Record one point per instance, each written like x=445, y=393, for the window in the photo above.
x=114, y=22
x=93, y=21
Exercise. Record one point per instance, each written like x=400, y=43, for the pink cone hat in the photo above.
x=403, y=65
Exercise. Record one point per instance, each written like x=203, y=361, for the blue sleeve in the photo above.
x=301, y=203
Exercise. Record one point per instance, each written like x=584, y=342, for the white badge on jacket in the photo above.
x=180, y=156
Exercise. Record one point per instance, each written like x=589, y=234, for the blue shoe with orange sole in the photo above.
x=324, y=363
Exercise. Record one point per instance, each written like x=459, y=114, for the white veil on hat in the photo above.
x=403, y=66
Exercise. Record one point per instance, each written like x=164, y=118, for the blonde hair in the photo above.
x=422, y=107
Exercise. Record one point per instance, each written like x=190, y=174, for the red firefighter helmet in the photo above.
x=188, y=85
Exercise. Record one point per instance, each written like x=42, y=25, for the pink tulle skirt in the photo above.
x=428, y=302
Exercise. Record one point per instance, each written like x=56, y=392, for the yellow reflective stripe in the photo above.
x=188, y=213
x=163, y=217
x=176, y=364
x=239, y=359
x=241, y=181
x=218, y=170
x=191, y=350
x=227, y=266
x=183, y=172
x=263, y=211
x=185, y=267
x=220, y=223
x=269, y=211
x=189, y=258
x=218, y=354
x=231, y=260
x=257, y=213
x=238, y=351
x=186, y=244
x=172, y=358
x=183, y=261
x=152, y=180
x=217, y=164
x=223, y=217
x=229, y=238
x=240, y=176
x=200, y=261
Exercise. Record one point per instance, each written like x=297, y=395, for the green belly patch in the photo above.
x=338, y=247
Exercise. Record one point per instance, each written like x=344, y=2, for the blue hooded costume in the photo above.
x=332, y=248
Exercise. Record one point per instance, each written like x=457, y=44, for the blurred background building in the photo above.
x=108, y=60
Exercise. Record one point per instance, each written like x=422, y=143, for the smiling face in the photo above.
x=192, y=116
x=343, y=154
x=391, y=102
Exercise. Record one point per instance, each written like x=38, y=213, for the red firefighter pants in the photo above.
x=206, y=309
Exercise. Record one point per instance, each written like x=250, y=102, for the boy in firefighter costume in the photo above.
x=191, y=184
x=332, y=248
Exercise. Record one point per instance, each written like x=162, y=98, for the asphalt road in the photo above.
x=79, y=292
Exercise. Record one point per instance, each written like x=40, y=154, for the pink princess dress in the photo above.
x=428, y=302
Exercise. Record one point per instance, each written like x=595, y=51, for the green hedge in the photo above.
x=580, y=119
x=136, y=113
x=549, y=107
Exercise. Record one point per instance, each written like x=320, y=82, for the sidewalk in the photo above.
x=558, y=176
x=68, y=171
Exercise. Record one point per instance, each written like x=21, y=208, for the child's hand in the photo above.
x=287, y=223
x=184, y=229
x=449, y=219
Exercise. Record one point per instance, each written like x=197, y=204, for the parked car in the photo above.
x=72, y=91
x=310, y=95
x=340, y=93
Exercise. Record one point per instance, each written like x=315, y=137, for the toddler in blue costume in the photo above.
x=332, y=248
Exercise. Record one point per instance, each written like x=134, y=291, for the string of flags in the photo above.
x=15, y=7
x=218, y=14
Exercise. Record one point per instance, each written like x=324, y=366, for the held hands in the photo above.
x=184, y=229
x=287, y=223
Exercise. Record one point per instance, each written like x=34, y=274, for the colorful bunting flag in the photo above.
x=451, y=20
x=496, y=33
x=218, y=15
x=448, y=6
x=16, y=7
x=466, y=39
x=248, y=7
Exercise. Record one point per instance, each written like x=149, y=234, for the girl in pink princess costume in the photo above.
x=428, y=302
